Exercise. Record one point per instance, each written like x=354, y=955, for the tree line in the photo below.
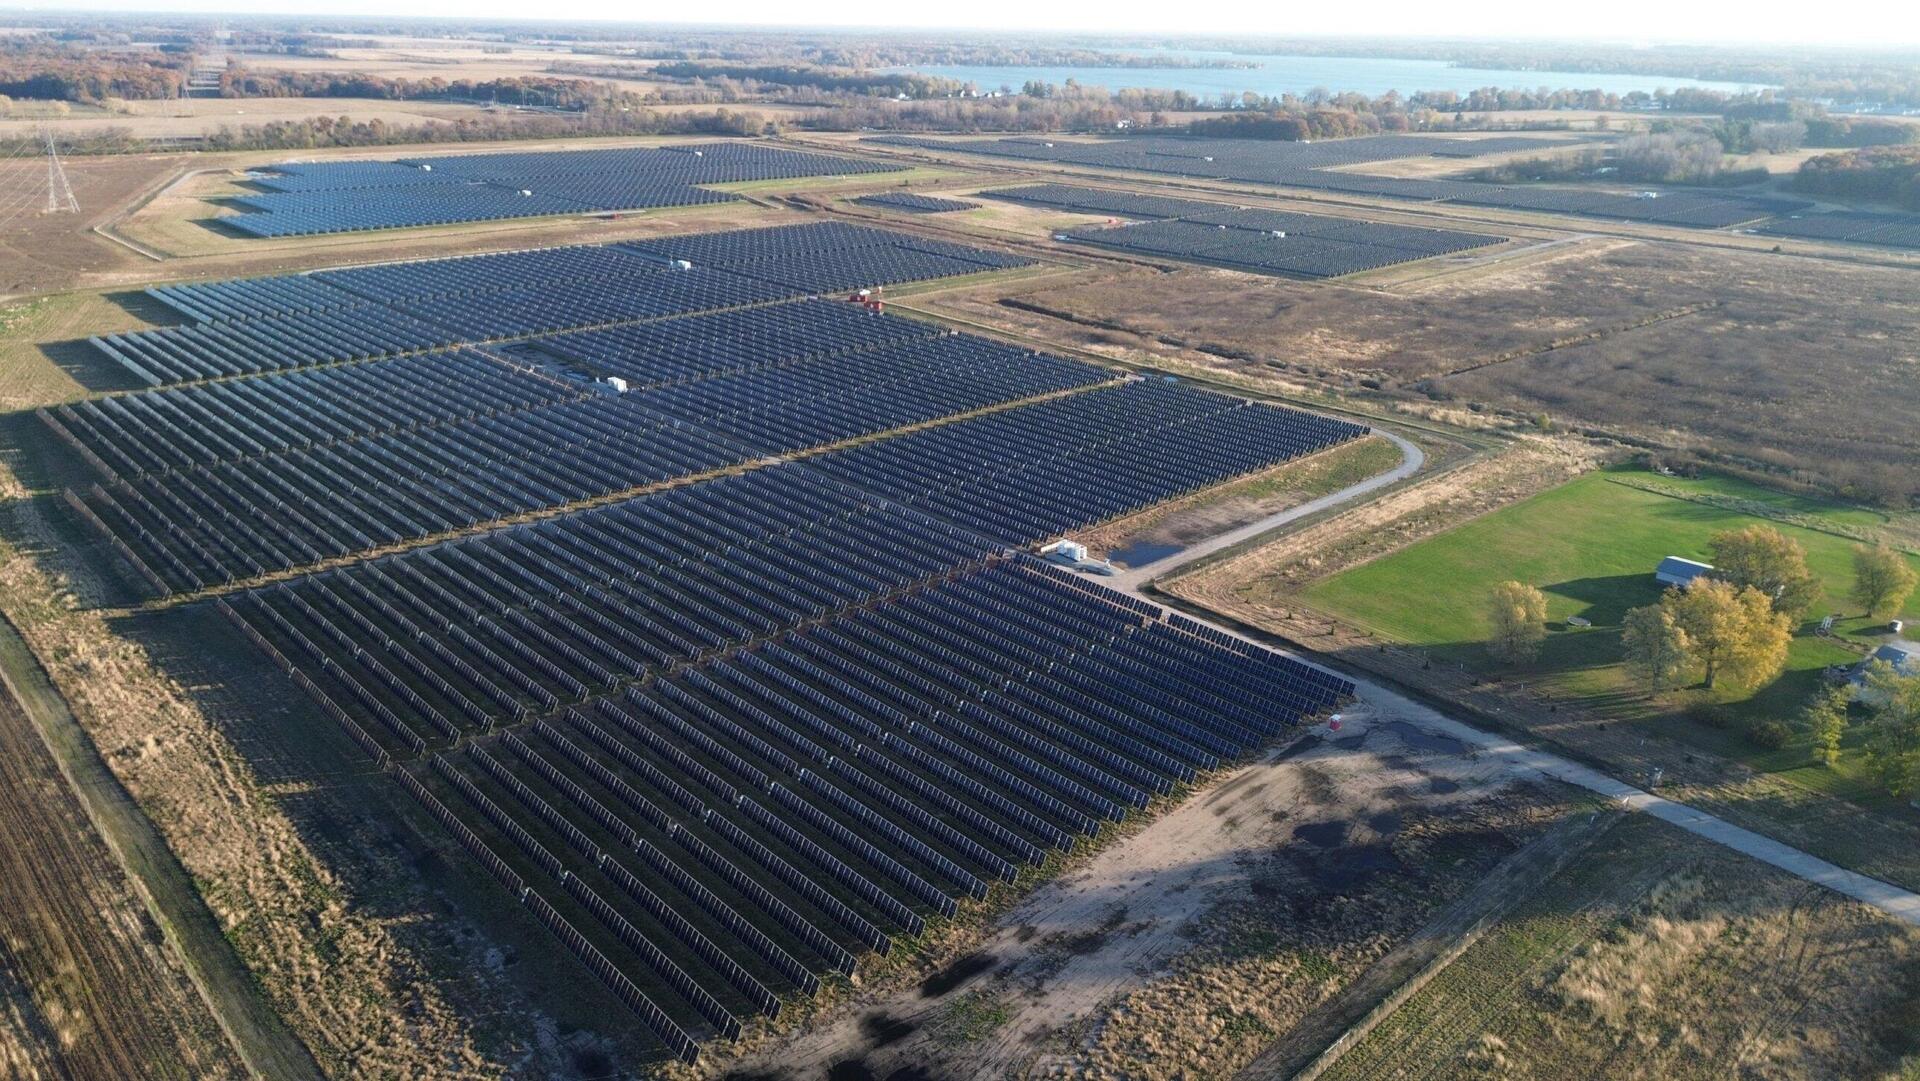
x=865, y=83
x=325, y=131
x=544, y=91
x=1882, y=174
x=59, y=73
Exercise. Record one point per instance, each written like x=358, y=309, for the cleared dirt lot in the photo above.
x=41, y=252
x=1192, y=943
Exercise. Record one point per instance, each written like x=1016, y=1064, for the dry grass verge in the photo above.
x=337, y=975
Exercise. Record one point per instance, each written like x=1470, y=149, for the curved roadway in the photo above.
x=1900, y=903
x=1411, y=459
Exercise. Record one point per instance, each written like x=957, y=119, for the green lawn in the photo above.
x=1591, y=546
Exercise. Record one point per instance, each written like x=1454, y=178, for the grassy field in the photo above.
x=43, y=354
x=1591, y=546
x=1661, y=956
x=1230, y=506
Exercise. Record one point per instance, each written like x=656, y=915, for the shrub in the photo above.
x=1770, y=735
x=1711, y=714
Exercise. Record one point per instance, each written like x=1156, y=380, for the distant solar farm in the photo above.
x=1261, y=241
x=309, y=198
x=1318, y=165
x=1887, y=230
x=692, y=599
x=911, y=203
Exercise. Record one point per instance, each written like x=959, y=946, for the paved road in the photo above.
x=1411, y=459
x=1893, y=900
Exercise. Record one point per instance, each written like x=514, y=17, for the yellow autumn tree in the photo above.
x=1771, y=562
x=1658, y=650
x=1518, y=613
x=1882, y=580
x=1733, y=632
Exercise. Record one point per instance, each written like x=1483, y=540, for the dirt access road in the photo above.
x=1412, y=458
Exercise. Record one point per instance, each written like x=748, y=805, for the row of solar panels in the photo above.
x=1855, y=226
x=914, y=204
x=1311, y=166
x=335, y=197
x=329, y=317
x=717, y=839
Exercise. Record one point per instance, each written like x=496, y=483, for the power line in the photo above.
x=19, y=164
x=59, y=190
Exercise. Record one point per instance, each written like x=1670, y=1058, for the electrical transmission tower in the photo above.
x=59, y=191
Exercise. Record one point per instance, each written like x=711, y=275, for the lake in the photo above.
x=1279, y=75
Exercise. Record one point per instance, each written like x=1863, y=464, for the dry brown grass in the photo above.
x=1662, y=956
x=336, y=973
x=1783, y=362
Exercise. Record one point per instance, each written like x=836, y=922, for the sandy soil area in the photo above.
x=1029, y=999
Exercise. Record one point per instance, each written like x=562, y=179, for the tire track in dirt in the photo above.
x=93, y=992
x=135, y=1000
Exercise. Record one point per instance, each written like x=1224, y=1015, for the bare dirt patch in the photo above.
x=42, y=252
x=1258, y=894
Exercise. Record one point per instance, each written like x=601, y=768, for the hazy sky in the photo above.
x=1882, y=22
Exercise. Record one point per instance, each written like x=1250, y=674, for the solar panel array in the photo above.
x=1315, y=165
x=1042, y=470
x=1120, y=204
x=1854, y=226
x=234, y=479
x=309, y=198
x=1257, y=160
x=914, y=204
x=726, y=736
x=293, y=321
x=693, y=347
x=1262, y=241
